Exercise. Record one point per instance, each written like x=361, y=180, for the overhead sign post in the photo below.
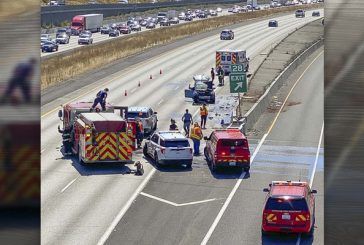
x=238, y=82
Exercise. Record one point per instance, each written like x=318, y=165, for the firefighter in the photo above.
x=187, y=121
x=173, y=125
x=100, y=99
x=212, y=75
x=139, y=132
x=196, y=136
x=67, y=140
x=220, y=74
x=203, y=113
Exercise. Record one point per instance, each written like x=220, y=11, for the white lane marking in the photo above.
x=42, y=150
x=176, y=88
x=198, y=202
x=317, y=156
x=298, y=239
x=133, y=90
x=173, y=203
x=160, y=102
x=68, y=185
x=125, y=208
x=159, y=199
x=230, y=197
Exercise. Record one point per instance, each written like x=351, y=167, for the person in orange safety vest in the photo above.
x=203, y=113
x=196, y=136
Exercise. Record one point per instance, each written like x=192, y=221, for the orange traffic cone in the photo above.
x=160, y=71
x=150, y=77
x=126, y=93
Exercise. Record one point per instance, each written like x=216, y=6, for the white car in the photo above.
x=219, y=10
x=168, y=147
x=45, y=37
x=146, y=115
x=85, y=39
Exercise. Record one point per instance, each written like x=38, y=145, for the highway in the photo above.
x=81, y=204
x=98, y=37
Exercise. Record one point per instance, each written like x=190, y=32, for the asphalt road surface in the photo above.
x=81, y=205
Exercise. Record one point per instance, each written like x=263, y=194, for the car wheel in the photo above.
x=189, y=165
x=213, y=167
x=80, y=158
x=156, y=160
x=145, y=150
x=246, y=169
x=206, y=156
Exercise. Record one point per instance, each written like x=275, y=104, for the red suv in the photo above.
x=289, y=208
x=227, y=148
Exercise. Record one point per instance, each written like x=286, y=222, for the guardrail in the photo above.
x=58, y=14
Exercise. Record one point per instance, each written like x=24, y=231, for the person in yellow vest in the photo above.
x=196, y=136
x=203, y=113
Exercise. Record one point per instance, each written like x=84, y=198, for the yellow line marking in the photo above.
x=295, y=84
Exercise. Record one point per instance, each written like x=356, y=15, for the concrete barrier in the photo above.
x=262, y=104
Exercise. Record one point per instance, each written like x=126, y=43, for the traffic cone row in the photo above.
x=139, y=84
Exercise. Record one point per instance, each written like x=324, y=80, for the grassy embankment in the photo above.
x=64, y=66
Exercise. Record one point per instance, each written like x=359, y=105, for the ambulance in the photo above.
x=227, y=57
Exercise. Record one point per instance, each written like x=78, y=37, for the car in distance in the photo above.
x=45, y=37
x=114, y=33
x=146, y=115
x=219, y=10
x=227, y=35
x=87, y=33
x=289, y=208
x=49, y=46
x=67, y=31
x=227, y=148
x=105, y=30
x=62, y=38
x=164, y=22
x=174, y=20
x=125, y=29
x=150, y=25
x=143, y=23
x=188, y=18
x=316, y=13
x=85, y=39
x=182, y=16
x=136, y=27
x=213, y=13
x=273, y=23
x=300, y=13
x=168, y=147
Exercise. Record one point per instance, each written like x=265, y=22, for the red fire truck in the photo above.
x=99, y=136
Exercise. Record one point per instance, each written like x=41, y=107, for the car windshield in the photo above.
x=232, y=143
x=135, y=114
x=286, y=204
x=175, y=143
x=48, y=43
x=61, y=31
x=201, y=86
x=76, y=24
x=83, y=36
x=225, y=32
x=44, y=36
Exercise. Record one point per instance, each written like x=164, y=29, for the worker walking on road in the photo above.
x=212, y=74
x=203, y=113
x=139, y=132
x=100, y=99
x=220, y=74
x=187, y=121
x=196, y=136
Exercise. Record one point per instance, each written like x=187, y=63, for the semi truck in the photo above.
x=89, y=22
x=99, y=137
x=227, y=57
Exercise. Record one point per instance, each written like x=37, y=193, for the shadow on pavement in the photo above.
x=280, y=238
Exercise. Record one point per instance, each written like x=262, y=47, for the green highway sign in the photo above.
x=237, y=68
x=238, y=83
